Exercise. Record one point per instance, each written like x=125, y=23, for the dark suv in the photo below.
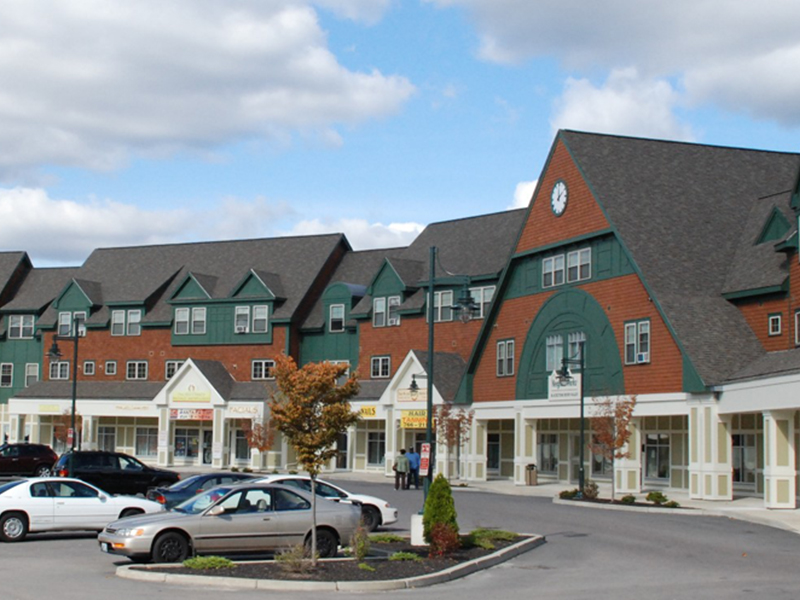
x=113, y=472
x=26, y=459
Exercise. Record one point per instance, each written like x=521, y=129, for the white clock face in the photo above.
x=558, y=199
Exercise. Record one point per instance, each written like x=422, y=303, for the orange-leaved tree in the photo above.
x=62, y=424
x=453, y=426
x=312, y=409
x=611, y=430
x=259, y=436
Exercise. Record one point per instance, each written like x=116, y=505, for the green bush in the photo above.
x=294, y=560
x=247, y=470
x=628, y=499
x=359, y=544
x=568, y=494
x=657, y=498
x=406, y=556
x=365, y=567
x=208, y=562
x=590, y=490
x=672, y=504
x=234, y=469
x=444, y=540
x=440, y=509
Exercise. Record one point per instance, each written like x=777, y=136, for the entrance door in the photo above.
x=341, y=451
x=208, y=437
x=493, y=453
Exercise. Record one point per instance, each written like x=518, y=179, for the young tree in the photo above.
x=259, y=436
x=610, y=428
x=61, y=425
x=453, y=425
x=311, y=408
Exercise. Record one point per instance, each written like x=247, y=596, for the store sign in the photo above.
x=569, y=389
x=413, y=419
x=49, y=408
x=368, y=412
x=191, y=414
x=406, y=395
x=192, y=394
x=424, y=460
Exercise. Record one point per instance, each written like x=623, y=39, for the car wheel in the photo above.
x=170, y=547
x=327, y=544
x=42, y=471
x=13, y=527
x=370, y=517
x=129, y=512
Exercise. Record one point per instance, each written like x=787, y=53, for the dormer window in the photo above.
x=65, y=321
x=126, y=322
x=385, y=311
x=20, y=326
x=336, y=319
x=242, y=319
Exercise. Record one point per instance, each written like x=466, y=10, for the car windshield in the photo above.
x=199, y=503
x=7, y=486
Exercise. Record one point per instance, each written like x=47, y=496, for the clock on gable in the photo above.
x=558, y=198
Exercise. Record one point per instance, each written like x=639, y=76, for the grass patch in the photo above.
x=202, y=563
x=406, y=556
x=386, y=538
x=486, y=538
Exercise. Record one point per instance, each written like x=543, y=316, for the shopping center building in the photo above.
x=667, y=270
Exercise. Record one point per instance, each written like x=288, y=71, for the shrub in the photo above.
x=485, y=538
x=672, y=504
x=293, y=472
x=568, y=494
x=247, y=470
x=590, y=490
x=234, y=469
x=657, y=498
x=444, y=540
x=359, y=544
x=406, y=556
x=439, y=508
x=386, y=538
x=208, y=562
x=294, y=560
x=365, y=567
x=628, y=499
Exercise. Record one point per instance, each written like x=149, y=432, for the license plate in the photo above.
x=104, y=547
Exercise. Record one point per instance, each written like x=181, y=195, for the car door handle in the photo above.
x=266, y=518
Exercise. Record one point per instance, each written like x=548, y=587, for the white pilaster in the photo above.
x=628, y=471
x=779, y=460
x=710, y=467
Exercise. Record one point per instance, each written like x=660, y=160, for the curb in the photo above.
x=143, y=573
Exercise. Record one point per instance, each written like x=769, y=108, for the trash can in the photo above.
x=531, y=475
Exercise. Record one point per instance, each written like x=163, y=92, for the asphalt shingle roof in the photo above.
x=682, y=210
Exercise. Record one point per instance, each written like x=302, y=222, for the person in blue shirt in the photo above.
x=413, y=468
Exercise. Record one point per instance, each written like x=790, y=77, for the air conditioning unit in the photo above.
x=643, y=357
x=241, y=329
x=394, y=321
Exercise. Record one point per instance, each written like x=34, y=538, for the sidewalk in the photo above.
x=743, y=508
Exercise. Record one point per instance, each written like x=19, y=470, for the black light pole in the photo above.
x=564, y=375
x=55, y=353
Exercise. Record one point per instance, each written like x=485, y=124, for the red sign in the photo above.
x=70, y=436
x=425, y=460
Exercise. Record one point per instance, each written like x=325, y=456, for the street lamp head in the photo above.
x=55, y=352
x=466, y=306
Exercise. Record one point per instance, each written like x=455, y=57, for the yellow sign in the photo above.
x=368, y=412
x=406, y=395
x=198, y=397
x=413, y=419
x=49, y=408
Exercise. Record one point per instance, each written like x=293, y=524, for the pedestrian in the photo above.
x=401, y=471
x=413, y=467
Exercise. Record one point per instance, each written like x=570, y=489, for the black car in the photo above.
x=191, y=486
x=114, y=472
x=26, y=459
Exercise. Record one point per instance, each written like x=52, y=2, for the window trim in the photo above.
x=267, y=368
x=28, y=374
x=22, y=327
x=137, y=365
x=117, y=319
x=182, y=317
x=196, y=321
x=88, y=367
x=6, y=375
x=504, y=366
x=379, y=309
x=176, y=364
x=61, y=368
x=338, y=320
x=478, y=295
x=380, y=362
x=238, y=312
x=256, y=328
x=110, y=367
x=637, y=330
x=438, y=299
x=775, y=317
x=134, y=325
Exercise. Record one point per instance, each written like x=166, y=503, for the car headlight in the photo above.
x=130, y=532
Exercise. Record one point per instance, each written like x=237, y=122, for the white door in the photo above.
x=79, y=506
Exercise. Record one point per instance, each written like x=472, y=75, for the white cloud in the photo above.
x=741, y=56
x=523, y=194
x=624, y=104
x=362, y=234
x=92, y=83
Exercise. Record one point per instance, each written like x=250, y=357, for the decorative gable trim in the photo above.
x=775, y=227
x=268, y=285
x=195, y=287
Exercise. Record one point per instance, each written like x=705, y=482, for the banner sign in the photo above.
x=568, y=389
x=368, y=412
x=413, y=419
x=191, y=414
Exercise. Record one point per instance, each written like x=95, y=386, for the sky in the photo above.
x=166, y=121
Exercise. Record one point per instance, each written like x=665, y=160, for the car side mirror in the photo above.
x=216, y=511
x=102, y=497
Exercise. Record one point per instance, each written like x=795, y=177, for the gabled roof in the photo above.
x=150, y=274
x=39, y=288
x=10, y=265
x=681, y=211
x=448, y=371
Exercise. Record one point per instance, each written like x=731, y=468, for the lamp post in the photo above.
x=564, y=375
x=55, y=354
x=465, y=306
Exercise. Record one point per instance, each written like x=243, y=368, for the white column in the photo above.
x=166, y=450
x=524, y=446
x=220, y=432
x=710, y=467
x=779, y=460
x=628, y=471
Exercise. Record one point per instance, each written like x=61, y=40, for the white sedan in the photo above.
x=375, y=512
x=62, y=504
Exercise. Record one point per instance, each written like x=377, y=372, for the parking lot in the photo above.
x=589, y=553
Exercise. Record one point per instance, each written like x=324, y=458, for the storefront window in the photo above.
x=146, y=441
x=187, y=442
x=107, y=438
x=657, y=456
x=744, y=458
x=242, y=449
x=376, y=447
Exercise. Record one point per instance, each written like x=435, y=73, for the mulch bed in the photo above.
x=348, y=570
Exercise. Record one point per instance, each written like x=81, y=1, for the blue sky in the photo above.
x=154, y=122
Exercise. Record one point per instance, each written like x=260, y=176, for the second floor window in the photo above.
x=111, y=367
x=181, y=321
x=31, y=374
x=380, y=367
x=262, y=369
x=637, y=342
x=482, y=297
x=20, y=326
x=171, y=367
x=59, y=370
x=505, y=358
x=126, y=322
x=336, y=320
x=443, y=306
x=774, y=325
x=384, y=311
x=198, y=320
x=6, y=374
x=241, y=322
x=136, y=370
x=88, y=367
x=66, y=320
x=260, y=318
